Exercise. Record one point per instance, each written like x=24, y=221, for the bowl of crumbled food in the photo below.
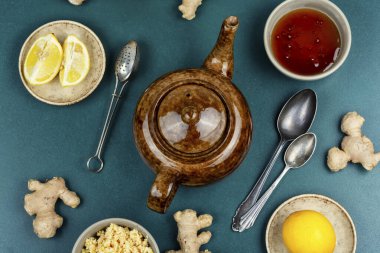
x=115, y=235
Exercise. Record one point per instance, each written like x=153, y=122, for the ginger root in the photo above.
x=188, y=225
x=42, y=203
x=355, y=147
x=189, y=7
x=76, y=2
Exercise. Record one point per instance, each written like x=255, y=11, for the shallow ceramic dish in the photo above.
x=94, y=228
x=324, y=6
x=335, y=213
x=53, y=93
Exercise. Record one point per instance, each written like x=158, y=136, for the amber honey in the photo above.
x=306, y=42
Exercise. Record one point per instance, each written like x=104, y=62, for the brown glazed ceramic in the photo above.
x=193, y=126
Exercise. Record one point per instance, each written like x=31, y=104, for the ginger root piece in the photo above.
x=42, y=203
x=355, y=147
x=188, y=225
x=76, y=2
x=189, y=7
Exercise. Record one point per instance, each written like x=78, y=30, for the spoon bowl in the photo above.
x=300, y=150
x=297, y=115
x=127, y=61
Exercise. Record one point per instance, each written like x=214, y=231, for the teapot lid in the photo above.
x=191, y=118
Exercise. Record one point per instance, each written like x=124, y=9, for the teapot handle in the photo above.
x=163, y=190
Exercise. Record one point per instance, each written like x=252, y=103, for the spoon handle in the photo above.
x=118, y=91
x=248, y=219
x=255, y=192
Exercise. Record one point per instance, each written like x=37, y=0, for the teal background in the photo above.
x=41, y=141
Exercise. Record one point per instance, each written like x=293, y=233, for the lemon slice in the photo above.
x=76, y=62
x=43, y=60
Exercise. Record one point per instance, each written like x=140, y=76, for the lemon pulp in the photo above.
x=43, y=60
x=76, y=62
x=308, y=232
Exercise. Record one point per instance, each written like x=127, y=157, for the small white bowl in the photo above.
x=94, y=228
x=324, y=6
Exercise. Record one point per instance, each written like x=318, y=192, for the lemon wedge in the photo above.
x=43, y=60
x=76, y=62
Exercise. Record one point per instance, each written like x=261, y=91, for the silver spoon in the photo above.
x=126, y=63
x=295, y=119
x=296, y=155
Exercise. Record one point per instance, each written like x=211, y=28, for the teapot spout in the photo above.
x=221, y=58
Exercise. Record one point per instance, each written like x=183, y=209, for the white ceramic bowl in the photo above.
x=94, y=228
x=324, y=6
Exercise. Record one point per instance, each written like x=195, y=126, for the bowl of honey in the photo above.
x=307, y=39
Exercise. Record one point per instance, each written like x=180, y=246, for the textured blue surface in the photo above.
x=41, y=141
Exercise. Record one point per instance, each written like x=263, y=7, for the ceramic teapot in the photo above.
x=193, y=126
